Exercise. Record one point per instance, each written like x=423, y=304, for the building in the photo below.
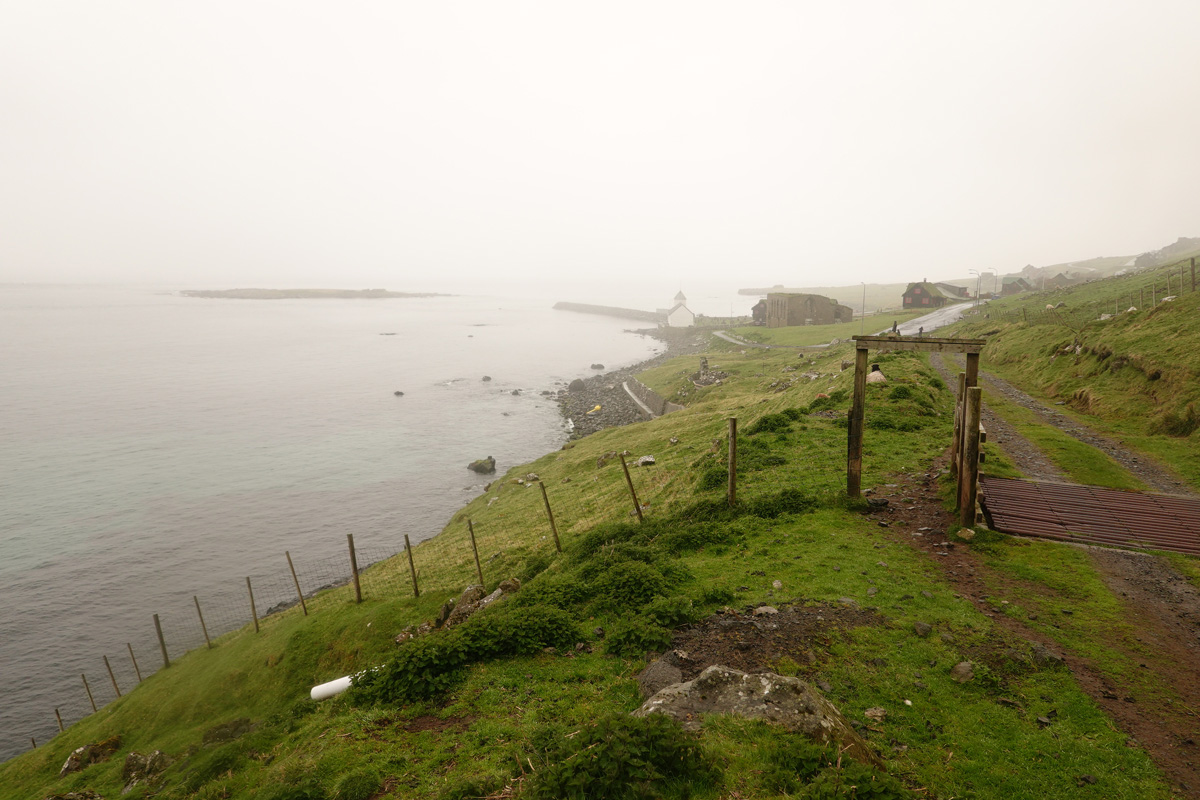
x=924, y=295
x=1014, y=285
x=785, y=310
x=679, y=315
x=952, y=291
x=759, y=312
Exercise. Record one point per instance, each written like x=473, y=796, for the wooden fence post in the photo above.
x=203, y=627
x=970, y=458
x=134, y=660
x=854, y=427
x=253, y=610
x=411, y=567
x=354, y=568
x=112, y=677
x=295, y=580
x=637, y=507
x=731, y=492
x=475, y=550
x=88, y=689
x=162, y=643
x=550, y=514
x=58, y=717
x=956, y=437
x=33, y=741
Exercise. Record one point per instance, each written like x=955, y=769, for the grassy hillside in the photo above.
x=531, y=698
x=1135, y=373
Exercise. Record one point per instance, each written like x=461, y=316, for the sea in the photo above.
x=156, y=447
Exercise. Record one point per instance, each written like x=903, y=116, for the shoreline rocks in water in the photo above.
x=604, y=390
x=484, y=466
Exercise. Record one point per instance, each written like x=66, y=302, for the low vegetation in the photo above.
x=530, y=698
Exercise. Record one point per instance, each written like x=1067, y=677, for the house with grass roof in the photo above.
x=924, y=295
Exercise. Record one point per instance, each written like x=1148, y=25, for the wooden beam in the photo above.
x=921, y=343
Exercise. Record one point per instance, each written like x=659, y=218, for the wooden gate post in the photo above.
x=968, y=492
x=855, y=425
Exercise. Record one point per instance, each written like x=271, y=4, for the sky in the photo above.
x=436, y=144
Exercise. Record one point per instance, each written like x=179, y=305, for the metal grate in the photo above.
x=1092, y=514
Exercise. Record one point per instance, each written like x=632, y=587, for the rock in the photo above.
x=644, y=461
x=83, y=757
x=444, y=614
x=515, y=392
x=847, y=601
x=876, y=713
x=142, y=768
x=604, y=459
x=764, y=611
x=576, y=386
x=597, y=366
x=789, y=702
x=962, y=672
x=398, y=393
x=928, y=595
x=483, y=466
x=82, y=794
x=510, y=585
x=1045, y=657
x=877, y=502
x=673, y=440
x=872, y=591
x=922, y=629
x=658, y=676
x=533, y=477
x=966, y=534
x=947, y=638
x=487, y=378
x=777, y=584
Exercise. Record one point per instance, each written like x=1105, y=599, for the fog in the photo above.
x=441, y=145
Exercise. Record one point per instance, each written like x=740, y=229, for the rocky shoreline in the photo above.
x=604, y=390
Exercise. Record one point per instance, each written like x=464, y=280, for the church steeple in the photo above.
x=679, y=298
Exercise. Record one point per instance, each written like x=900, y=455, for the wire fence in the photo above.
x=522, y=515
x=1140, y=291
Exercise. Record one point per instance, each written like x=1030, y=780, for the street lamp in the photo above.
x=863, y=327
x=977, y=279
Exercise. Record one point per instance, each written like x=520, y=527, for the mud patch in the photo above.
x=795, y=640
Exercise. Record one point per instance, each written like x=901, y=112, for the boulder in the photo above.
x=962, y=672
x=576, y=386
x=83, y=757
x=644, y=461
x=789, y=702
x=597, y=366
x=487, y=378
x=142, y=768
x=658, y=676
x=483, y=466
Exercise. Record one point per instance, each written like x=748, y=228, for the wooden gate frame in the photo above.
x=889, y=343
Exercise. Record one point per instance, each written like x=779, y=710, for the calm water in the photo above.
x=153, y=447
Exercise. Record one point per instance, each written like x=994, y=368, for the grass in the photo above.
x=502, y=720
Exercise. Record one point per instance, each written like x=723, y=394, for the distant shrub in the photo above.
x=900, y=393
x=631, y=584
x=793, y=413
x=937, y=383
x=769, y=423
x=786, y=501
x=713, y=478
x=1179, y=425
x=671, y=612
x=716, y=596
x=623, y=758
x=633, y=638
x=834, y=400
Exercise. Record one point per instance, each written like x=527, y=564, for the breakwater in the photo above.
x=611, y=311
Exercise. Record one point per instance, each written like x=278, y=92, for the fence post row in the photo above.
x=550, y=514
x=253, y=610
x=637, y=507
x=88, y=689
x=731, y=492
x=411, y=567
x=354, y=568
x=112, y=677
x=162, y=643
x=295, y=580
x=475, y=550
x=203, y=627
x=134, y=660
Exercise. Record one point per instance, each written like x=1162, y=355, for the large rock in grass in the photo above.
x=142, y=768
x=83, y=757
x=789, y=702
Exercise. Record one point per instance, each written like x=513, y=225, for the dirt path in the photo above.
x=1160, y=606
x=1026, y=455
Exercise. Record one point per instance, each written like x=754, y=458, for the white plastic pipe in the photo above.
x=327, y=690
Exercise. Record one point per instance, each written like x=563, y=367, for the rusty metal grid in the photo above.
x=1093, y=515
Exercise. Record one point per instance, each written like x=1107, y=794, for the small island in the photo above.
x=303, y=294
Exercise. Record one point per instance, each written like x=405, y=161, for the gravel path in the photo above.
x=1030, y=461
